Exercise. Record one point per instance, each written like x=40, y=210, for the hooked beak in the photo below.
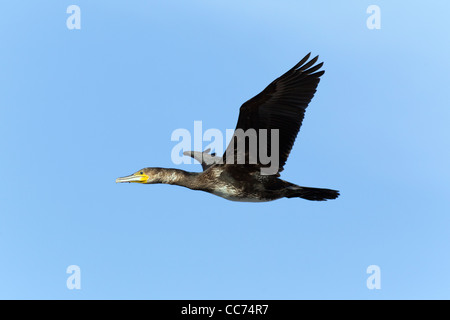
x=138, y=178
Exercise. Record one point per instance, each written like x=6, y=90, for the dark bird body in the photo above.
x=280, y=106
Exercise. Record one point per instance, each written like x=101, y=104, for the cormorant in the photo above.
x=281, y=105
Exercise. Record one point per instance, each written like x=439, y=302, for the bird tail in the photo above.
x=315, y=194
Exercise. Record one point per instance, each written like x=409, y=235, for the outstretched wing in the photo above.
x=281, y=105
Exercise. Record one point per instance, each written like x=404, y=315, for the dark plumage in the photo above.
x=280, y=106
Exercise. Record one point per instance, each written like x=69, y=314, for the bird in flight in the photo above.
x=242, y=174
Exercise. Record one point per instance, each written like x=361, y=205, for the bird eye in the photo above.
x=142, y=172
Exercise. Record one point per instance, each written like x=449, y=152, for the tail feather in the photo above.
x=315, y=194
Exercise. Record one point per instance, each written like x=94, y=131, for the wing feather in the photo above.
x=281, y=105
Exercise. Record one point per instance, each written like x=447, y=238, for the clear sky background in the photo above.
x=79, y=108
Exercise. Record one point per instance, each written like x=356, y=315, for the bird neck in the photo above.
x=177, y=177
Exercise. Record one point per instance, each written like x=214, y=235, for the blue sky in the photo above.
x=79, y=108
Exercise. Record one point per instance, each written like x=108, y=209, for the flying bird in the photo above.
x=279, y=109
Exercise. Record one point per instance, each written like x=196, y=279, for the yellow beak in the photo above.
x=137, y=178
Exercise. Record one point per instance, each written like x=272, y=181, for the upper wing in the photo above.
x=281, y=105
